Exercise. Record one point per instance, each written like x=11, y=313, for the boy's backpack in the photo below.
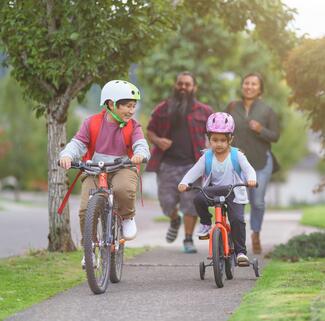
x=233, y=156
x=95, y=125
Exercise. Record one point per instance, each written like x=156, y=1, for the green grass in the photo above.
x=286, y=292
x=30, y=279
x=314, y=216
x=161, y=219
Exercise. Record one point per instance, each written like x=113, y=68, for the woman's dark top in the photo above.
x=254, y=145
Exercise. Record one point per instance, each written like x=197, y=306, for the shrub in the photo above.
x=301, y=247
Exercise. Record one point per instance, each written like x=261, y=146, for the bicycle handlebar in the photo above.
x=101, y=166
x=219, y=198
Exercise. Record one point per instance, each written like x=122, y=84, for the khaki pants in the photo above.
x=124, y=183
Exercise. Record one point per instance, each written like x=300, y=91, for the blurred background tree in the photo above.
x=219, y=59
x=26, y=155
x=305, y=73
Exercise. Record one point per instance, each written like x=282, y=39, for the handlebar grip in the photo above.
x=256, y=186
x=74, y=164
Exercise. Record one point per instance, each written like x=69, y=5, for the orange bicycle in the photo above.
x=103, y=234
x=221, y=247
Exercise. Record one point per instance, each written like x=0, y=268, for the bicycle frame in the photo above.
x=223, y=226
x=102, y=180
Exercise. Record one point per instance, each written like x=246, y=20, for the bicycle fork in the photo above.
x=223, y=226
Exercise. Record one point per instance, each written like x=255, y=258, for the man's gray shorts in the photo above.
x=168, y=178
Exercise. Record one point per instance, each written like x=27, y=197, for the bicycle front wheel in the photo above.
x=218, y=258
x=117, y=252
x=96, y=243
x=230, y=260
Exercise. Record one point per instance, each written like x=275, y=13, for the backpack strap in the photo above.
x=94, y=127
x=208, y=161
x=234, y=159
x=127, y=131
x=233, y=156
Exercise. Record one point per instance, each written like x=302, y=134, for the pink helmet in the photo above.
x=220, y=123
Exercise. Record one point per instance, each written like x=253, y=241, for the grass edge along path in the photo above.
x=286, y=291
x=30, y=279
x=314, y=216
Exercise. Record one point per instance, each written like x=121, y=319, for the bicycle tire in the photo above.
x=230, y=261
x=202, y=270
x=117, y=254
x=97, y=223
x=218, y=259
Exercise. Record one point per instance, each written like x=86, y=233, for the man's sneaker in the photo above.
x=203, y=230
x=83, y=262
x=189, y=246
x=242, y=259
x=173, y=229
x=129, y=229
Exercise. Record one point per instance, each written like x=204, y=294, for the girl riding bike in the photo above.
x=221, y=166
x=105, y=137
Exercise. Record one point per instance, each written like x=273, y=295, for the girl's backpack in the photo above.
x=233, y=156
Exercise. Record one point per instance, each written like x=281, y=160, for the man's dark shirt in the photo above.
x=160, y=124
x=181, y=150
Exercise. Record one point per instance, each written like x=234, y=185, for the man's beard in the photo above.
x=179, y=105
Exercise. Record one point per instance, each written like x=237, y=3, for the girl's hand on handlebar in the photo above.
x=182, y=187
x=65, y=162
x=137, y=159
x=251, y=183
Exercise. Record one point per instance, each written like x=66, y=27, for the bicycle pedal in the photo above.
x=122, y=241
x=205, y=237
x=243, y=264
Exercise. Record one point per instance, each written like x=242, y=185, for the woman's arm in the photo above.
x=271, y=133
x=246, y=167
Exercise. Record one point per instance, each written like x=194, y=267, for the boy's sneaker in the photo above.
x=83, y=262
x=189, y=246
x=129, y=229
x=242, y=259
x=203, y=230
x=173, y=229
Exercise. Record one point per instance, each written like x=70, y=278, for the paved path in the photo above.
x=162, y=284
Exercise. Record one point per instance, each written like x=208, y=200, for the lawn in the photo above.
x=314, y=216
x=30, y=279
x=286, y=292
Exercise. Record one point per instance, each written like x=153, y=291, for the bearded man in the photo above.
x=177, y=131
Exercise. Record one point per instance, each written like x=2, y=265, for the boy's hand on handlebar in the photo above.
x=251, y=183
x=182, y=187
x=137, y=159
x=65, y=162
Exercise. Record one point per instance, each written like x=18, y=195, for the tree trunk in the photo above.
x=59, y=225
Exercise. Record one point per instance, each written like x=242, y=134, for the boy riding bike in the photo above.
x=104, y=137
x=222, y=165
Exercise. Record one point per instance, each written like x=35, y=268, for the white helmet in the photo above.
x=119, y=89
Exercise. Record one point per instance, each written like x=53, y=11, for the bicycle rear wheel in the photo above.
x=117, y=252
x=218, y=258
x=96, y=243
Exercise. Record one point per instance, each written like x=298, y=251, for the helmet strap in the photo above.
x=121, y=122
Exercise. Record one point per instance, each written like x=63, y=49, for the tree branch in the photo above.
x=50, y=16
x=63, y=101
x=45, y=85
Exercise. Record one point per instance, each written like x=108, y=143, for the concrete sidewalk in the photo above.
x=162, y=284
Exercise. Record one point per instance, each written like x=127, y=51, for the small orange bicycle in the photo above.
x=221, y=246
